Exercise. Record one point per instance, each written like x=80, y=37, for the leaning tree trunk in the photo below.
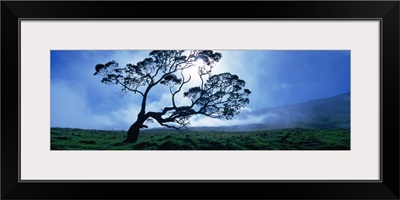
x=133, y=133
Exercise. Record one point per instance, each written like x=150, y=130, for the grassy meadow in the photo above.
x=284, y=139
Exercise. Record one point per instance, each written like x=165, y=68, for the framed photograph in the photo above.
x=114, y=98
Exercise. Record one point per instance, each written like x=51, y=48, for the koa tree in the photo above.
x=216, y=96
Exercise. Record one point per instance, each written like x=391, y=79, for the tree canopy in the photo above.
x=217, y=96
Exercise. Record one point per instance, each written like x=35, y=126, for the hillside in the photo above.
x=332, y=112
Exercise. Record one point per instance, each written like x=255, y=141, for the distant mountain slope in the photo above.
x=332, y=112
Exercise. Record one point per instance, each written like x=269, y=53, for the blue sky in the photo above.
x=275, y=77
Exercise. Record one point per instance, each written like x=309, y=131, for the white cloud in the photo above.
x=200, y=120
x=69, y=108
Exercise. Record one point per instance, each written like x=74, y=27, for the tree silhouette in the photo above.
x=217, y=96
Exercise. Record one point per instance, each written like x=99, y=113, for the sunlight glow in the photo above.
x=193, y=71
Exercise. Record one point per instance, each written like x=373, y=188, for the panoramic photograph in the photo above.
x=200, y=100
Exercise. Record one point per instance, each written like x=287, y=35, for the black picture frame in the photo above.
x=386, y=11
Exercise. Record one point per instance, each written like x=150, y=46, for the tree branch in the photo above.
x=132, y=90
x=180, y=88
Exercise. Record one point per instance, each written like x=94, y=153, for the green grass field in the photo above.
x=285, y=139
